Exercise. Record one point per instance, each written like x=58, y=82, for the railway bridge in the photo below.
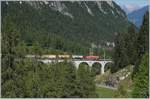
x=77, y=62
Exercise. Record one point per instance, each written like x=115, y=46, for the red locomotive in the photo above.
x=91, y=57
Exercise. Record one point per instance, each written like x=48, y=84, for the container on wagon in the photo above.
x=63, y=56
x=77, y=56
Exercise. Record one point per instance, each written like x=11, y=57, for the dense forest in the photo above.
x=22, y=77
x=55, y=32
x=132, y=48
x=28, y=30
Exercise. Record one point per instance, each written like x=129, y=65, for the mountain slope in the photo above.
x=58, y=25
x=137, y=16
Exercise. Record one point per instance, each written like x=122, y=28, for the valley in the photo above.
x=73, y=49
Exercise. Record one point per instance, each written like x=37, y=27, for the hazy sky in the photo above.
x=132, y=2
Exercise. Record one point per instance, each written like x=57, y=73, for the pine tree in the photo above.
x=117, y=53
x=120, y=57
x=143, y=38
x=125, y=51
x=10, y=39
x=69, y=77
x=85, y=82
x=141, y=79
x=61, y=81
x=142, y=41
x=131, y=44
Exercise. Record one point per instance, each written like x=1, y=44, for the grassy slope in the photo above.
x=105, y=92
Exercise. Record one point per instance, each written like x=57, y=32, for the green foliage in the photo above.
x=10, y=41
x=130, y=49
x=96, y=69
x=120, y=57
x=61, y=80
x=131, y=46
x=143, y=38
x=85, y=82
x=141, y=79
x=52, y=30
x=121, y=92
x=108, y=66
x=35, y=79
x=22, y=77
x=142, y=41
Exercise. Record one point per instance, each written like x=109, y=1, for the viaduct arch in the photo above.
x=88, y=62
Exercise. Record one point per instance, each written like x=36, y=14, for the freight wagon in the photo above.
x=77, y=56
x=65, y=57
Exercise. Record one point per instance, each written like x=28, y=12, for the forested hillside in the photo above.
x=29, y=78
x=71, y=28
x=65, y=26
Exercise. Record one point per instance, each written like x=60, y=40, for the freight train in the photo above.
x=65, y=57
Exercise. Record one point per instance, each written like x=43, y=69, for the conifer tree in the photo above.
x=143, y=38
x=120, y=57
x=130, y=39
x=10, y=39
x=85, y=82
x=142, y=41
x=61, y=81
x=141, y=79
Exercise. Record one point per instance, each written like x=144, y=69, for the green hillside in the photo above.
x=65, y=26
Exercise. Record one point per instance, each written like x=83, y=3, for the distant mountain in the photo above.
x=137, y=16
x=129, y=8
x=66, y=24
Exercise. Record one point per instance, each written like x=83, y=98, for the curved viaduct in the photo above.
x=78, y=62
